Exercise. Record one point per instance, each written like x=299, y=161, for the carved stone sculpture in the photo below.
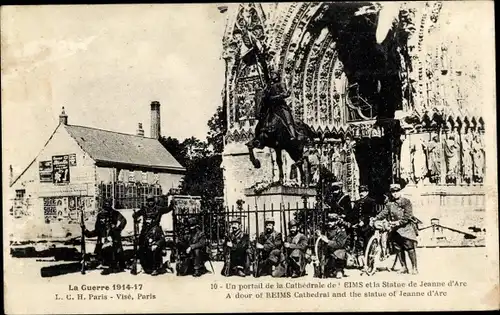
x=434, y=159
x=451, y=152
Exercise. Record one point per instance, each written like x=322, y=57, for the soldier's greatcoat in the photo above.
x=239, y=252
x=151, y=234
x=195, y=260
x=270, y=241
x=296, y=251
x=341, y=205
x=109, y=224
x=364, y=208
x=151, y=231
x=400, y=210
x=337, y=242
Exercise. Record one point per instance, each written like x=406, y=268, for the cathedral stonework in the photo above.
x=406, y=110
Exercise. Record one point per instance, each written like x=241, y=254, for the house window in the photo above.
x=105, y=192
x=20, y=193
x=129, y=195
x=120, y=196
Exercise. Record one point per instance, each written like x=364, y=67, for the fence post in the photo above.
x=248, y=218
x=264, y=213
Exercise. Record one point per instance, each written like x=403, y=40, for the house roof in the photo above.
x=112, y=147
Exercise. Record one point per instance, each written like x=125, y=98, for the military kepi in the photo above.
x=235, y=220
x=269, y=219
x=394, y=187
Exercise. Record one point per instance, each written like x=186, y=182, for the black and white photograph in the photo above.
x=242, y=157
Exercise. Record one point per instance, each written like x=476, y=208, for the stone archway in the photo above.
x=322, y=50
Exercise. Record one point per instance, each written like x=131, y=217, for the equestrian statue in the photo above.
x=276, y=127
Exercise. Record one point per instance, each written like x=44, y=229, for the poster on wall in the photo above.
x=72, y=159
x=60, y=164
x=49, y=209
x=45, y=171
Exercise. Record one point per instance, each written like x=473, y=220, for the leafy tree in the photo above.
x=202, y=159
x=217, y=129
x=176, y=148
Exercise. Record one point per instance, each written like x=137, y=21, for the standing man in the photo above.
x=294, y=253
x=237, y=246
x=194, y=249
x=108, y=227
x=339, y=202
x=336, y=241
x=270, y=243
x=364, y=208
x=151, y=239
x=398, y=211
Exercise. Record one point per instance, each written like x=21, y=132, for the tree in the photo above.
x=176, y=148
x=202, y=159
x=217, y=129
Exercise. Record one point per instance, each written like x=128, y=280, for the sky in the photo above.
x=105, y=64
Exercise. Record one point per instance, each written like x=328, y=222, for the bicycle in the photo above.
x=376, y=251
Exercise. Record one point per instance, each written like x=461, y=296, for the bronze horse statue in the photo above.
x=272, y=131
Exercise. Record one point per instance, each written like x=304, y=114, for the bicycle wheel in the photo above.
x=372, y=255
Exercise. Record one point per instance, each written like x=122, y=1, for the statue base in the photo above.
x=276, y=201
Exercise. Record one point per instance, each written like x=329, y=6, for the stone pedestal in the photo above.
x=279, y=202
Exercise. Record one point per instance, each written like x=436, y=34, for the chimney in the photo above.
x=63, y=118
x=140, y=131
x=155, y=120
x=11, y=175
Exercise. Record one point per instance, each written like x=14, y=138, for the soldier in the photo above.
x=193, y=251
x=339, y=202
x=151, y=239
x=336, y=241
x=108, y=227
x=237, y=245
x=294, y=263
x=398, y=211
x=364, y=208
x=270, y=243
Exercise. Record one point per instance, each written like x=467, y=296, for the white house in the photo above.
x=80, y=166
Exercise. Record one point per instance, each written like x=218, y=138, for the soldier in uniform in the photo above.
x=151, y=239
x=398, y=211
x=108, y=227
x=237, y=246
x=336, y=242
x=364, y=208
x=339, y=202
x=193, y=249
x=270, y=244
x=295, y=246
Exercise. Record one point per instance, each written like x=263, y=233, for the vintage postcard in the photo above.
x=243, y=157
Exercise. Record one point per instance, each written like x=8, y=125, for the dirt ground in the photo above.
x=433, y=262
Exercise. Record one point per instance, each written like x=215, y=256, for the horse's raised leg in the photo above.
x=279, y=162
x=253, y=159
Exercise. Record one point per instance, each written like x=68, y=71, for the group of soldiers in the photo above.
x=346, y=231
